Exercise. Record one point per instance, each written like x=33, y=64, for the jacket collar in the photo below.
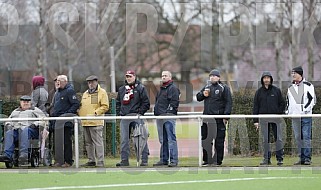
x=97, y=89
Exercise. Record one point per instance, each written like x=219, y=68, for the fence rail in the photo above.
x=181, y=115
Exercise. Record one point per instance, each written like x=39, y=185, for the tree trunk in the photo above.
x=42, y=44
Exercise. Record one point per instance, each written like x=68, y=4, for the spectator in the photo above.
x=39, y=94
x=217, y=101
x=65, y=104
x=132, y=99
x=21, y=131
x=167, y=101
x=301, y=99
x=268, y=100
x=94, y=102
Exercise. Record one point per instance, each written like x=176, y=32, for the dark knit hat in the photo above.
x=215, y=72
x=298, y=70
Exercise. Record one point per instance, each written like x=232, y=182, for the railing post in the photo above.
x=1, y=122
x=76, y=142
x=200, y=141
x=113, y=139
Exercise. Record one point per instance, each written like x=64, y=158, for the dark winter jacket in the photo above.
x=65, y=101
x=219, y=102
x=139, y=104
x=268, y=100
x=167, y=100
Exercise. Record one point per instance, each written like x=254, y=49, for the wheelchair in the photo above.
x=34, y=154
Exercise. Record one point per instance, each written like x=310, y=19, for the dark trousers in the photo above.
x=266, y=128
x=63, y=142
x=213, y=131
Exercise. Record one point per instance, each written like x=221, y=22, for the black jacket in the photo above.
x=65, y=101
x=268, y=100
x=219, y=102
x=139, y=104
x=167, y=100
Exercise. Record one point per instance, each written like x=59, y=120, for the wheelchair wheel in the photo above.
x=9, y=165
x=47, y=159
x=34, y=160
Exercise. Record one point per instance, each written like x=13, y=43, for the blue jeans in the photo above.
x=12, y=136
x=302, y=128
x=167, y=139
x=126, y=126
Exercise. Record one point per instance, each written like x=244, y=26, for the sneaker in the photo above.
x=280, y=162
x=100, y=164
x=265, y=162
x=160, y=163
x=299, y=162
x=122, y=163
x=23, y=158
x=89, y=164
x=144, y=164
x=172, y=164
x=307, y=162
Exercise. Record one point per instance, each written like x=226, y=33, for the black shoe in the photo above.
x=172, y=164
x=89, y=164
x=4, y=158
x=205, y=164
x=265, y=162
x=280, y=162
x=122, y=163
x=144, y=164
x=299, y=162
x=307, y=162
x=215, y=164
x=160, y=163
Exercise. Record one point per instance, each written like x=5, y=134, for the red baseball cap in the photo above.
x=130, y=72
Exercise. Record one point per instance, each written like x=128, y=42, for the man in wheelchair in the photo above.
x=21, y=131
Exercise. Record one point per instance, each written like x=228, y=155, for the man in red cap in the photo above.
x=131, y=99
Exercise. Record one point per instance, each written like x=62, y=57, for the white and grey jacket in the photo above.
x=32, y=112
x=301, y=98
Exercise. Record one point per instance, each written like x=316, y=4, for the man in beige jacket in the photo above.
x=94, y=102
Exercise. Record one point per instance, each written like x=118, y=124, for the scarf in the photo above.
x=166, y=83
x=91, y=91
x=129, y=95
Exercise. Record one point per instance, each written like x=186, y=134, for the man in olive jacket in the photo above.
x=94, y=102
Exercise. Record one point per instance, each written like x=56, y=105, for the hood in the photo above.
x=266, y=73
x=38, y=81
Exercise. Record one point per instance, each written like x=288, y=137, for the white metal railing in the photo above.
x=186, y=115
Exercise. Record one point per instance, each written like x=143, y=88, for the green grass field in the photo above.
x=245, y=176
x=188, y=178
